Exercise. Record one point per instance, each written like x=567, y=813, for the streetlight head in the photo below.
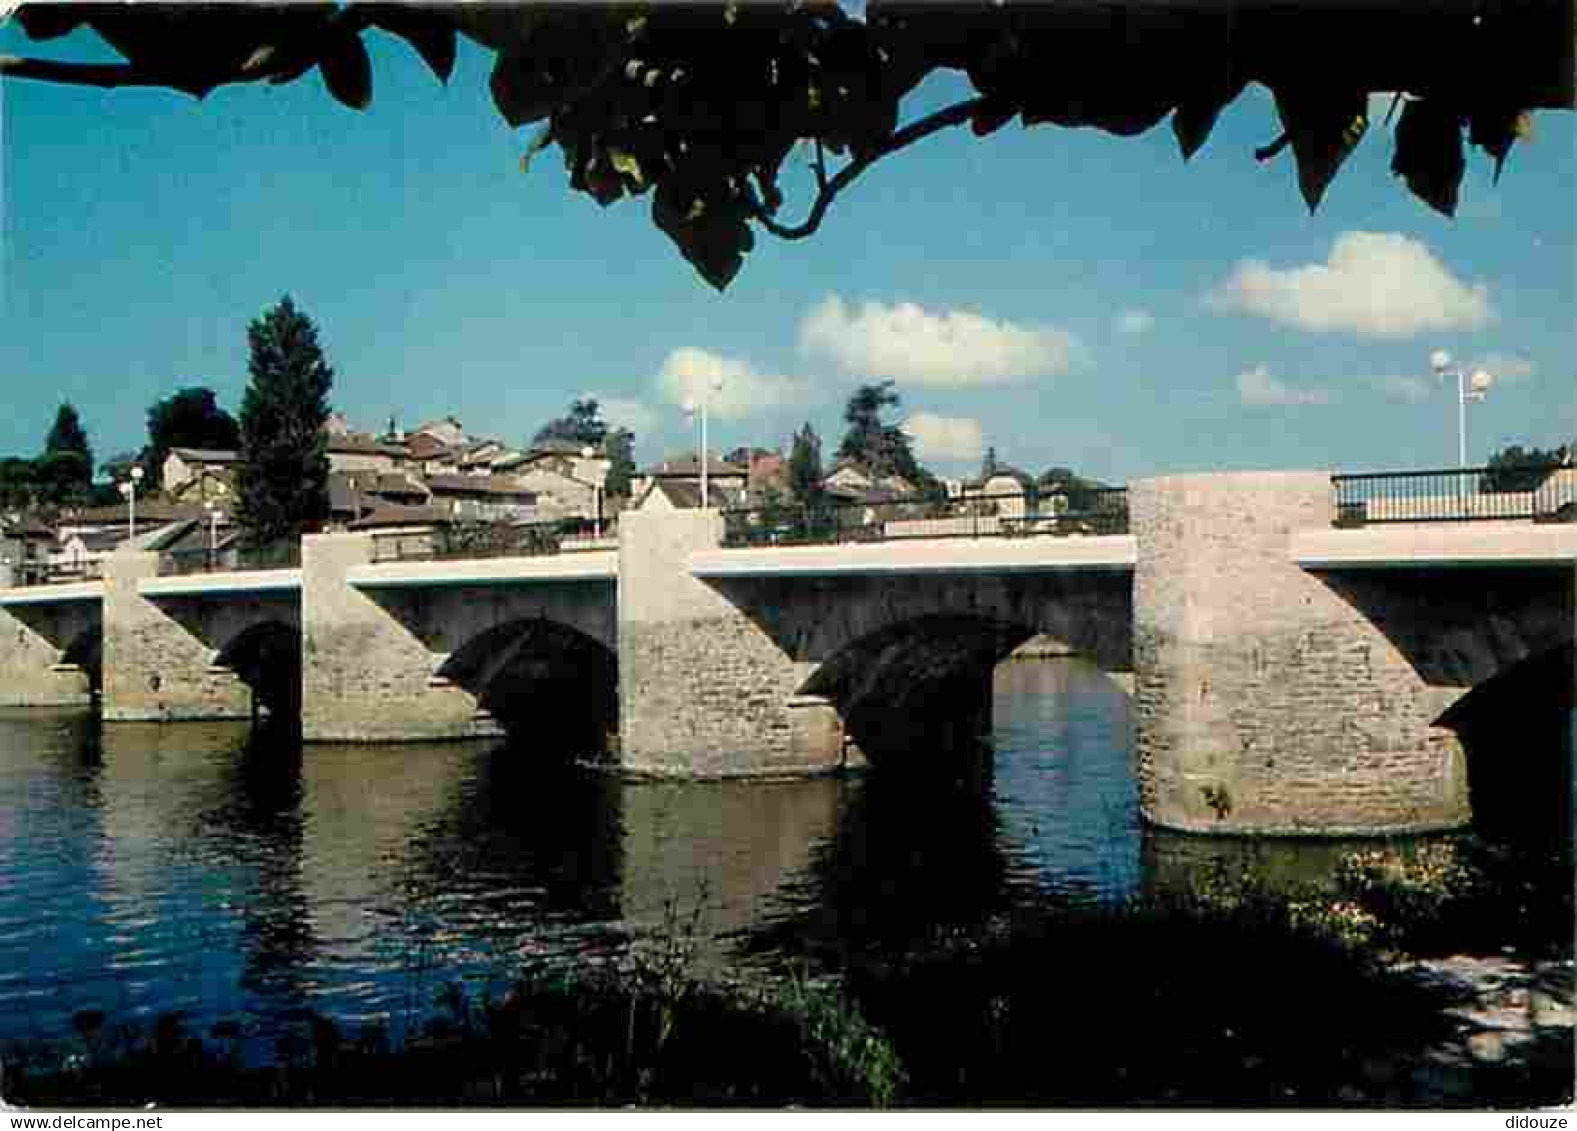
x=1440, y=361
x=587, y=452
x=1480, y=382
x=688, y=404
x=136, y=474
x=125, y=490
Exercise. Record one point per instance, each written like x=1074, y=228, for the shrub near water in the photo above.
x=1151, y=1006
x=1462, y=896
x=642, y=1030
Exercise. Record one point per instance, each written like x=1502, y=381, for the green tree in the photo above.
x=18, y=482
x=1515, y=468
x=190, y=418
x=68, y=435
x=804, y=468
x=64, y=472
x=865, y=441
x=582, y=425
x=1082, y=494
x=620, y=446
x=702, y=107
x=881, y=448
x=282, y=481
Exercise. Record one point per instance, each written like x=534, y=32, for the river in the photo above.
x=147, y=868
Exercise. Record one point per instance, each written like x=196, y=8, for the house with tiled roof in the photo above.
x=355, y=493
x=211, y=486
x=683, y=494
x=446, y=430
x=25, y=544
x=484, y=498
x=183, y=465
x=359, y=451
x=729, y=478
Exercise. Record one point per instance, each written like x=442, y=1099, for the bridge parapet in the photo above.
x=1095, y=511
x=1473, y=494
x=477, y=540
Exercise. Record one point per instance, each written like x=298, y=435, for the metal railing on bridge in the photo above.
x=227, y=559
x=486, y=540
x=1473, y=494
x=1093, y=511
x=30, y=573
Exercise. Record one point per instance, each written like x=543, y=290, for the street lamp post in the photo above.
x=1469, y=387
x=128, y=490
x=690, y=406
x=213, y=537
x=587, y=453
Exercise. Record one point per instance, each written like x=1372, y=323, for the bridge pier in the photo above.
x=704, y=690
x=1266, y=703
x=155, y=667
x=366, y=677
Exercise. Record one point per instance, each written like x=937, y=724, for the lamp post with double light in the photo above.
x=1470, y=386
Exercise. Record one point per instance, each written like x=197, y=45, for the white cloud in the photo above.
x=1404, y=388
x=1380, y=284
x=736, y=388
x=1258, y=387
x=945, y=437
x=627, y=412
x=950, y=348
x=1135, y=322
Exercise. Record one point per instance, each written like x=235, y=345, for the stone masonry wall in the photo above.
x=371, y=657
x=33, y=644
x=156, y=667
x=1265, y=702
x=365, y=676
x=704, y=690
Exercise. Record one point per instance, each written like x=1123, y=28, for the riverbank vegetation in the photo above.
x=1227, y=995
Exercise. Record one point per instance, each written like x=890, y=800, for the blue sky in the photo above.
x=1065, y=296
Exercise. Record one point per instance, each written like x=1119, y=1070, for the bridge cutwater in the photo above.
x=1294, y=651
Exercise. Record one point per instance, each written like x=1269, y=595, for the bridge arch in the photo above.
x=85, y=651
x=922, y=685
x=266, y=657
x=1518, y=729
x=549, y=684
x=1461, y=628
x=904, y=663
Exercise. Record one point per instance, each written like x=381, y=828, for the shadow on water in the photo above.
x=926, y=849
x=913, y=857
x=525, y=822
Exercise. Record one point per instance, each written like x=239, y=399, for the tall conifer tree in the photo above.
x=283, y=478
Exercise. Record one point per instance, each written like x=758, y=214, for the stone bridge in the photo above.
x=1287, y=677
